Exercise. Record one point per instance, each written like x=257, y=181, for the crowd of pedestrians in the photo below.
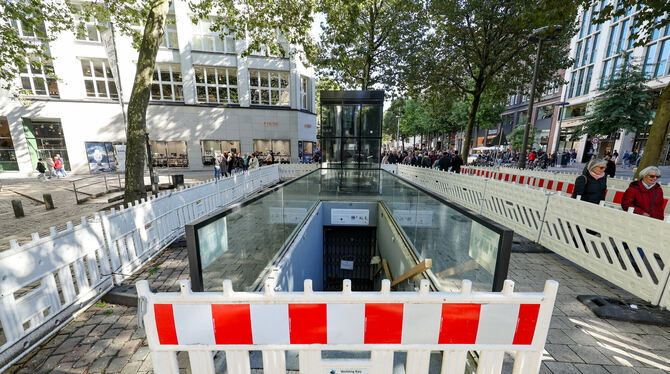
x=441, y=160
x=51, y=168
x=230, y=163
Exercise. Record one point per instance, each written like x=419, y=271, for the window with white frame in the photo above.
x=166, y=83
x=86, y=29
x=269, y=87
x=305, y=84
x=620, y=41
x=170, y=33
x=657, y=53
x=204, y=39
x=511, y=100
x=26, y=31
x=38, y=79
x=216, y=85
x=585, y=56
x=98, y=79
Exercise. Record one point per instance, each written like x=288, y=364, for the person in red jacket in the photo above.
x=645, y=196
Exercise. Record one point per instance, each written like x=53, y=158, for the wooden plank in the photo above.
x=417, y=269
x=385, y=265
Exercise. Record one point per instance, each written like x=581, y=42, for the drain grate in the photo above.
x=622, y=310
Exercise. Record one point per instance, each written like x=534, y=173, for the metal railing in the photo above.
x=111, y=183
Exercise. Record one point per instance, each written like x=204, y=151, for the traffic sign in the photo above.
x=595, y=140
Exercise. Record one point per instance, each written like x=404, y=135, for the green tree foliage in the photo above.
x=480, y=48
x=39, y=22
x=651, y=18
x=323, y=84
x=625, y=104
x=416, y=120
x=515, y=138
x=390, y=121
x=364, y=41
x=271, y=24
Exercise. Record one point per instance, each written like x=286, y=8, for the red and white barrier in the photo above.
x=381, y=322
x=84, y=261
x=627, y=249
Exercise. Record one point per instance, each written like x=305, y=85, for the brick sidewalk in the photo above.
x=106, y=339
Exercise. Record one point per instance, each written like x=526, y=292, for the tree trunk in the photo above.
x=139, y=100
x=657, y=133
x=465, y=152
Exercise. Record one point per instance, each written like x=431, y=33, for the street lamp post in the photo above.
x=560, y=123
x=397, y=135
x=535, y=37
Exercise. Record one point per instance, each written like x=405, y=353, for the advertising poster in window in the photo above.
x=100, y=157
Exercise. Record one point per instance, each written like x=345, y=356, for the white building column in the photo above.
x=625, y=142
x=243, y=92
x=184, y=37
x=294, y=79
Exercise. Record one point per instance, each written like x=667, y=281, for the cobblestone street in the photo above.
x=105, y=338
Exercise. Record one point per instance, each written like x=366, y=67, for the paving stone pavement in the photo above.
x=37, y=219
x=105, y=338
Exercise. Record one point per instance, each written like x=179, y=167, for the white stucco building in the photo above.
x=206, y=98
x=598, y=51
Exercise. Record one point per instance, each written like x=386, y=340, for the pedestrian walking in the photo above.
x=645, y=196
x=50, y=167
x=456, y=163
x=592, y=184
x=59, y=167
x=217, y=166
x=444, y=163
x=625, y=160
x=610, y=170
x=253, y=161
x=41, y=169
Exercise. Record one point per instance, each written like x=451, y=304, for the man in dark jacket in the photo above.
x=456, y=163
x=646, y=195
x=393, y=158
x=445, y=162
x=425, y=161
x=610, y=170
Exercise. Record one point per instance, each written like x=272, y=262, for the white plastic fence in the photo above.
x=380, y=322
x=547, y=178
x=45, y=282
x=290, y=171
x=627, y=249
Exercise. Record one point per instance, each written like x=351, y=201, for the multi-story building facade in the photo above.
x=598, y=51
x=206, y=98
x=545, y=117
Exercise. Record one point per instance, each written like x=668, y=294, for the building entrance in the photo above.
x=351, y=124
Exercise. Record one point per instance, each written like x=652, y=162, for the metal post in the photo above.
x=150, y=158
x=118, y=176
x=74, y=187
x=526, y=130
x=104, y=176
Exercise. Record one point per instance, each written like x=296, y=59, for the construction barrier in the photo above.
x=559, y=182
x=626, y=249
x=454, y=323
x=46, y=281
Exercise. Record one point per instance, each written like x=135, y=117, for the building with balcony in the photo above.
x=205, y=98
x=598, y=51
